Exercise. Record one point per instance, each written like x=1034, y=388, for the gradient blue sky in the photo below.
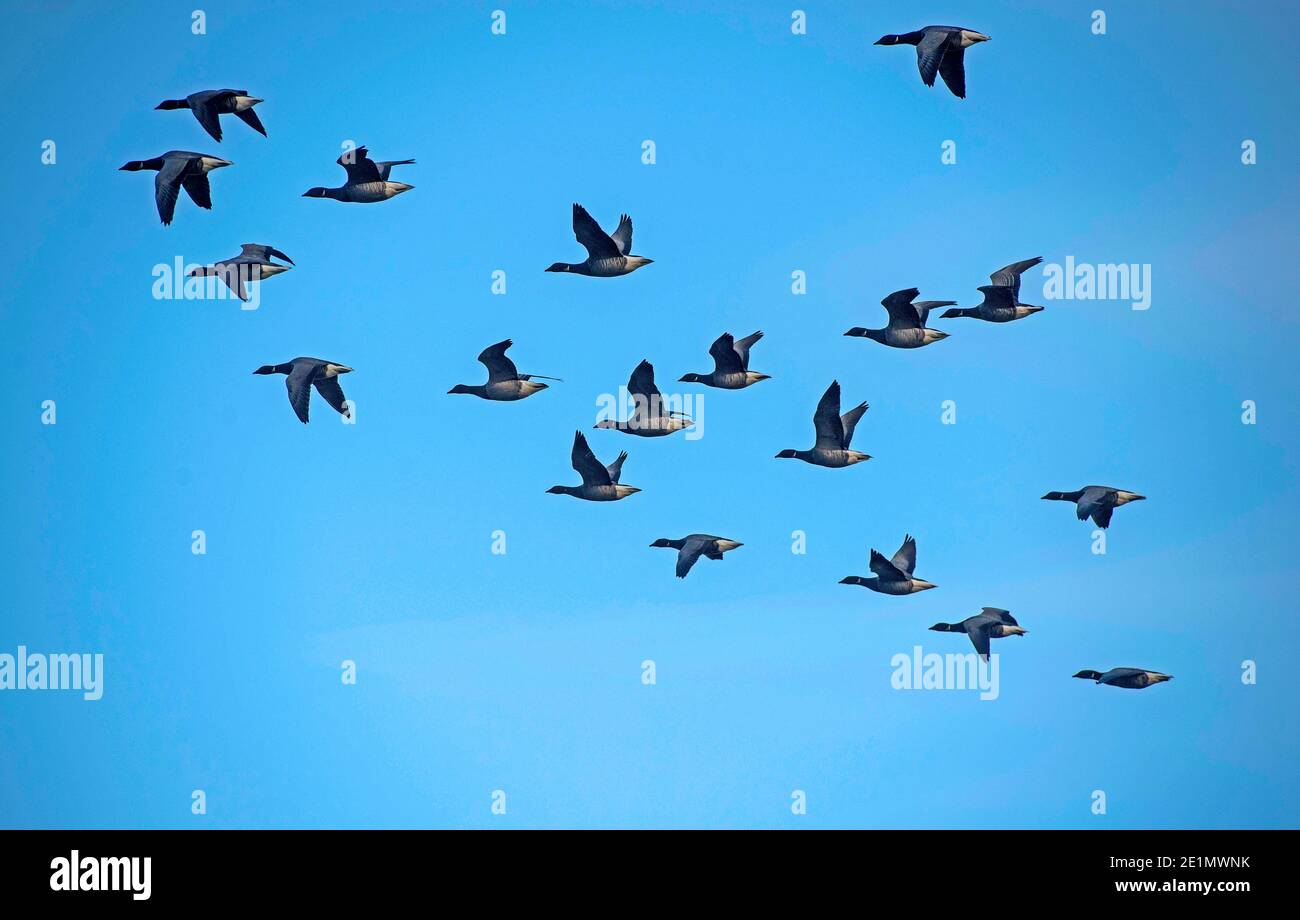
x=522, y=672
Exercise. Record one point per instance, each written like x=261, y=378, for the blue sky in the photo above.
x=522, y=672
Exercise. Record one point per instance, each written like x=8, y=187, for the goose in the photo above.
x=252, y=264
x=692, y=547
x=649, y=419
x=893, y=576
x=599, y=483
x=1128, y=678
x=730, y=364
x=210, y=103
x=505, y=383
x=608, y=255
x=834, y=433
x=940, y=49
x=1001, y=298
x=367, y=182
x=305, y=373
x=1097, y=502
x=179, y=169
x=907, y=320
x=989, y=623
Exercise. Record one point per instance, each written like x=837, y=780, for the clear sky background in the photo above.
x=522, y=672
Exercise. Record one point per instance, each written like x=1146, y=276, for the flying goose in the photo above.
x=305, y=373
x=367, y=180
x=608, y=254
x=989, y=623
x=730, y=364
x=1001, y=298
x=252, y=264
x=1097, y=502
x=179, y=169
x=649, y=419
x=599, y=483
x=505, y=383
x=907, y=320
x=834, y=433
x=893, y=576
x=1128, y=678
x=692, y=547
x=940, y=49
x=210, y=103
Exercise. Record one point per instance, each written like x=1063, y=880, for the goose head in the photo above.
x=788, y=454
x=887, y=40
x=461, y=388
x=560, y=267
x=317, y=192
x=168, y=104
x=691, y=378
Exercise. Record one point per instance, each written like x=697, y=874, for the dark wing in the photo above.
x=642, y=387
x=827, y=422
x=691, y=550
x=498, y=365
x=249, y=117
x=196, y=185
x=742, y=347
x=998, y=297
x=598, y=243
x=979, y=636
x=299, y=385
x=204, y=109
x=902, y=315
x=1002, y=616
x=329, y=388
x=905, y=559
x=849, y=421
x=615, y=469
x=726, y=360
x=886, y=569
x=234, y=278
x=167, y=186
x=1099, y=504
x=263, y=252
x=622, y=235
x=1010, y=275
x=362, y=168
x=591, y=470
x=952, y=67
x=1101, y=515
x=929, y=54
x=923, y=308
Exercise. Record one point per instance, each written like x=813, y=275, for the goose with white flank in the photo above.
x=834, y=433
x=1097, y=502
x=942, y=50
x=179, y=169
x=599, y=482
x=305, y=373
x=730, y=364
x=907, y=321
x=691, y=548
x=608, y=254
x=1001, y=298
x=1128, y=678
x=989, y=623
x=211, y=103
x=649, y=418
x=504, y=383
x=892, y=576
x=367, y=182
x=252, y=264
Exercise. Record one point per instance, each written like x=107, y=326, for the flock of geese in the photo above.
x=940, y=49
